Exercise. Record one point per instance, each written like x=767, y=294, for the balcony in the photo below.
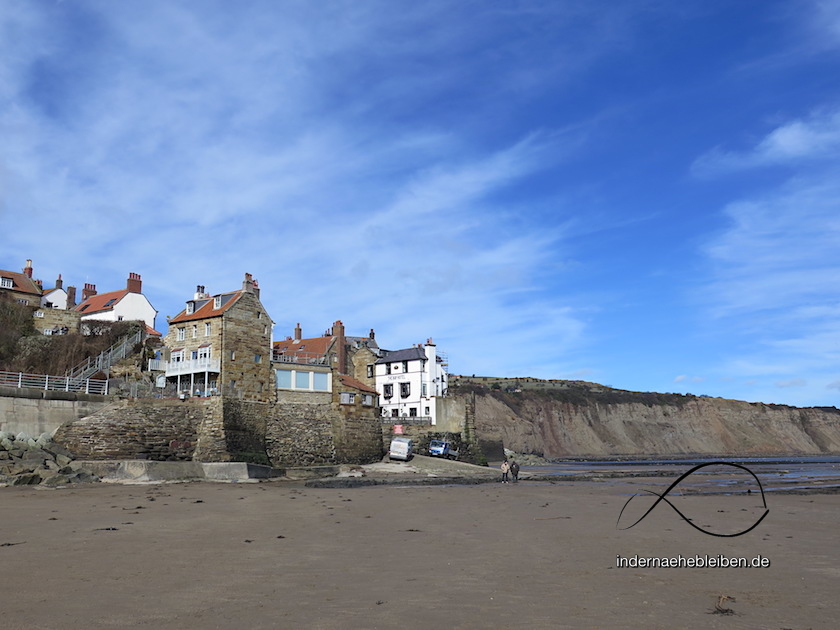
x=188, y=366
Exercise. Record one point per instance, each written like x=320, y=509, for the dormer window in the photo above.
x=217, y=301
x=7, y=283
x=190, y=308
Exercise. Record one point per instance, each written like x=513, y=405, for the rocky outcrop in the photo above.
x=591, y=420
x=25, y=460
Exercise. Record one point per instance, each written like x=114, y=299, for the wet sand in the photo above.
x=280, y=555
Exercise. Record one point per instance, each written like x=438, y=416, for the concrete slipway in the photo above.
x=419, y=469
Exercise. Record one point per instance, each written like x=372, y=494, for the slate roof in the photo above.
x=407, y=354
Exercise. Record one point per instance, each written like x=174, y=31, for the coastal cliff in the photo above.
x=571, y=418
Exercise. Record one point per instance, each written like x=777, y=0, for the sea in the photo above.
x=774, y=474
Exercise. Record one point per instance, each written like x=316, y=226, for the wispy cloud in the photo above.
x=794, y=143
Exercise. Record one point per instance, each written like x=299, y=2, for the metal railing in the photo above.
x=188, y=366
x=55, y=383
x=300, y=357
x=106, y=358
x=407, y=420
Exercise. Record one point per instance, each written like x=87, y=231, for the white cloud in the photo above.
x=793, y=143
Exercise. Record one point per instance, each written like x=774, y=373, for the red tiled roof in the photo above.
x=152, y=332
x=21, y=282
x=99, y=303
x=207, y=309
x=316, y=346
x=349, y=381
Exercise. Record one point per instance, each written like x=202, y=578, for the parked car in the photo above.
x=443, y=448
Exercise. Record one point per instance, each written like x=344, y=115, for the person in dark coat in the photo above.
x=514, y=470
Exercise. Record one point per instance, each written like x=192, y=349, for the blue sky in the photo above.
x=644, y=194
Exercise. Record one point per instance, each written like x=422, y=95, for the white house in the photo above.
x=56, y=297
x=410, y=381
x=126, y=305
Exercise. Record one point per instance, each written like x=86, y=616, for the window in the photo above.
x=177, y=356
x=39, y=313
x=428, y=413
x=302, y=380
x=405, y=366
x=370, y=370
x=182, y=333
x=257, y=358
x=387, y=368
x=388, y=390
x=233, y=355
x=195, y=331
x=190, y=308
x=348, y=398
x=204, y=352
x=48, y=331
x=424, y=388
x=207, y=329
x=194, y=355
x=284, y=379
x=395, y=413
x=405, y=390
x=412, y=411
x=367, y=400
x=259, y=314
x=119, y=318
x=7, y=283
x=320, y=381
x=217, y=301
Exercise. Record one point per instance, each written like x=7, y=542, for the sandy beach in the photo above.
x=278, y=554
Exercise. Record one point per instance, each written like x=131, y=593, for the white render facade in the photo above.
x=409, y=382
x=133, y=306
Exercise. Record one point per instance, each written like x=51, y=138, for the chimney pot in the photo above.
x=28, y=269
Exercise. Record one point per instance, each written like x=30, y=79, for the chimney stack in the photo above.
x=59, y=283
x=371, y=334
x=134, y=285
x=338, y=333
x=71, y=297
x=298, y=333
x=89, y=291
x=28, y=269
x=250, y=285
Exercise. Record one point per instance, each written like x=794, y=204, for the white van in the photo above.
x=401, y=448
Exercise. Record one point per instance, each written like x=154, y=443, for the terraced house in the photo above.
x=220, y=344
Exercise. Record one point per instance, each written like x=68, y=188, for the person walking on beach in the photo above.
x=514, y=470
x=505, y=468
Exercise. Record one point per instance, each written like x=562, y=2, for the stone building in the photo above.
x=20, y=286
x=345, y=354
x=220, y=344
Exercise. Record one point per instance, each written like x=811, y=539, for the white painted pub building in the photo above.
x=410, y=381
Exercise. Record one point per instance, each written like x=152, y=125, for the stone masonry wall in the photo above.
x=136, y=429
x=300, y=434
x=245, y=430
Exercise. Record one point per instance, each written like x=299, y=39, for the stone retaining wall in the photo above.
x=136, y=429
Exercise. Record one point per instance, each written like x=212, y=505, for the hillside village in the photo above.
x=335, y=396
x=218, y=387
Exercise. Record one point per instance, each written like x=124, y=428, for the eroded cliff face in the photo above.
x=599, y=421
